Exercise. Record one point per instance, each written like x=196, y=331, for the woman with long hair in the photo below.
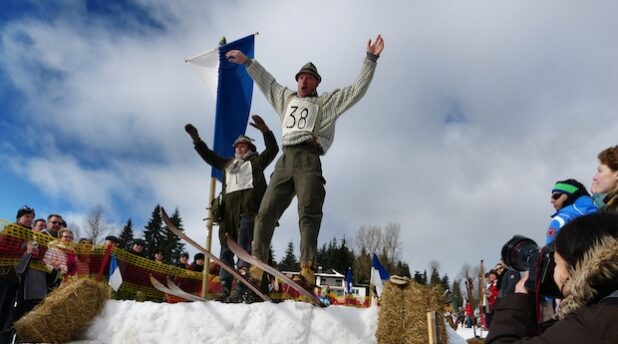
x=586, y=272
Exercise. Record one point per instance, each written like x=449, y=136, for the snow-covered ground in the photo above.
x=214, y=322
x=467, y=333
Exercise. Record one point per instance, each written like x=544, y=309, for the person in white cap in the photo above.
x=243, y=187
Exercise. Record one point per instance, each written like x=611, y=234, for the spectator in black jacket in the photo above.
x=198, y=262
x=586, y=273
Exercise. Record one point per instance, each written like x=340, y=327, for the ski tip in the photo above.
x=163, y=212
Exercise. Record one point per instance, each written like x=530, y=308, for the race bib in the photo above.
x=300, y=116
x=241, y=180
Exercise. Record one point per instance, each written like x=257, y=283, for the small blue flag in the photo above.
x=115, y=277
x=348, y=281
x=384, y=275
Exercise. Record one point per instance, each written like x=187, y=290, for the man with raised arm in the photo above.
x=243, y=187
x=308, y=129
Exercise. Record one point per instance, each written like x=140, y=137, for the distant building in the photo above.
x=336, y=283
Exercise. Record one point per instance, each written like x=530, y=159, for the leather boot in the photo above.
x=256, y=274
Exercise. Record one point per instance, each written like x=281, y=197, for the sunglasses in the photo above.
x=556, y=195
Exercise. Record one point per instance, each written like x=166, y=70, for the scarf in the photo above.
x=238, y=161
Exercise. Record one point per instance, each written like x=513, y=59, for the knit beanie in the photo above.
x=572, y=188
x=23, y=211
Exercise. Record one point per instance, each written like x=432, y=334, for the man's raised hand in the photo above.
x=192, y=131
x=236, y=56
x=259, y=123
x=376, y=47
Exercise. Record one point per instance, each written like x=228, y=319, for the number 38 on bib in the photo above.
x=299, y=117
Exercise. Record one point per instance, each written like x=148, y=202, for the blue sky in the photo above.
x=476, y=109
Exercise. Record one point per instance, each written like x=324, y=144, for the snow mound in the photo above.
x=215, y=322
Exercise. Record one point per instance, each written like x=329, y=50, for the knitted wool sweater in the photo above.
x=333, y=103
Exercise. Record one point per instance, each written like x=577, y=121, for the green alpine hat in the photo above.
x=309, y=68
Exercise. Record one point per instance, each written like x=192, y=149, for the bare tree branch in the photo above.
x=96, y=224
x=392, y=242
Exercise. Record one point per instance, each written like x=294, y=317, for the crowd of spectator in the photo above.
x=39, y=271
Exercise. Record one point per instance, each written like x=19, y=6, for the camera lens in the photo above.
x=518, y=252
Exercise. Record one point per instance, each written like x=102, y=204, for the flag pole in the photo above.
x=481, y=293
x=370, y=286
x=209, y=51
x=211, y=197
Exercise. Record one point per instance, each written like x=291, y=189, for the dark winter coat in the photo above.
x=588, y=315
x=196, y=267
x=35, y=283
x=246, y=201
x=611, y=203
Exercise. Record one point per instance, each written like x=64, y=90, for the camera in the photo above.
x=523, y=254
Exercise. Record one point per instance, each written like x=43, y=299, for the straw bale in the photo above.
x=403, y=314
x=64, y=312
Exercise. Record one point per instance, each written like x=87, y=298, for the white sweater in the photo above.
x=334, y=103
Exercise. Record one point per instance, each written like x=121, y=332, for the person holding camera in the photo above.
x=605, y=181
x=586, y=275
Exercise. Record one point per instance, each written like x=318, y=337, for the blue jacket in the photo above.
x=582, y=206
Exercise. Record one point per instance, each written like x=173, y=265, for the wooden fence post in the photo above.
x=432, y=328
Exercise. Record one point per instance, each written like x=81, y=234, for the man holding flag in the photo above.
x=243, y=187
x=308, y=129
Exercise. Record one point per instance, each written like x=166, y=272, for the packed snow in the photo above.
x=214, y=322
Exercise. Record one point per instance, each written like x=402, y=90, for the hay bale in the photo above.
x=403, y=314
x=475, y=341
x=64, y=312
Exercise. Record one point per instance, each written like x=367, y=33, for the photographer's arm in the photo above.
x=514, y=321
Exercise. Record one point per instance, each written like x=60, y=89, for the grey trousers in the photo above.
x=245, y=234
x=298, y=172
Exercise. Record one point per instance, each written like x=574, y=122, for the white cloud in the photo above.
x=531, y=86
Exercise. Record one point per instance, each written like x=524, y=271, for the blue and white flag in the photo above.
x=378, y=274
x=115, y=277
x=232, y=87
x=348, y=281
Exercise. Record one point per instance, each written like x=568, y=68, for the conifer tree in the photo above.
x=362, y=267
x=289, y=261
x=126, y=236
x=271, y=257
x=153, y=233
x=402, y=269
x=322, y=257
x=435, y=277
x=457, y=295
x=445, y=282
x=420, y=278
x=171, y=245
x=342, y=257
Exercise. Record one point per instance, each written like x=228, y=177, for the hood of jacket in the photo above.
x=597, y=269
